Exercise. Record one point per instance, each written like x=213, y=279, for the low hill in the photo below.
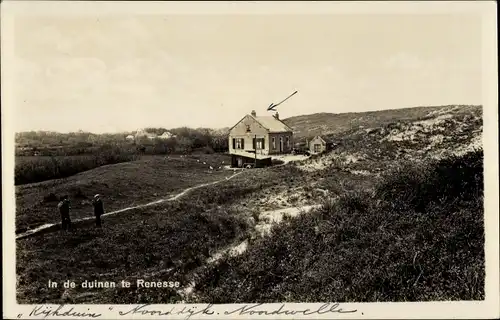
x=308, y=126
x=430, y=133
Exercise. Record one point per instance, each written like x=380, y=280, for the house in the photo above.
x=166, y=135
x=130, y=137
x=320, y=144
x=254, y=138
x=141, y=134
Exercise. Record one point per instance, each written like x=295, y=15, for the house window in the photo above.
x=258, y=143
x=274, y=143
x=288, y=142
x=241, y=143
x=317, y=147
x=248, y=128
x=238, y=143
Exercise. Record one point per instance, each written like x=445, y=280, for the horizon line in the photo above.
x=221, y=128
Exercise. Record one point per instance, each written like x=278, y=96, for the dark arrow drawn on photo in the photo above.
x=272, y=105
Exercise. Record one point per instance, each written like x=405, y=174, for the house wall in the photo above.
x=275, y=149
x=240, y=131
x=315, y=141
x=238, y=161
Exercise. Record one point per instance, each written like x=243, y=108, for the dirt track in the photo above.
x=49, y=227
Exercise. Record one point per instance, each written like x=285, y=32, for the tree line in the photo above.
x=184, y=140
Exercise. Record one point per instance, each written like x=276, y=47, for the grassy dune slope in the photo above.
x=332, y=123
x=435, y=134
x=121, y=185
x=418, y=237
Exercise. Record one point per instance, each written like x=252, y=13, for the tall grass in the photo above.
x=418, y=237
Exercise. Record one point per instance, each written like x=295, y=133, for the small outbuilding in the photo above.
x=320, y=144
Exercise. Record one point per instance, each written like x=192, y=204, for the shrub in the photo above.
x=451, y=179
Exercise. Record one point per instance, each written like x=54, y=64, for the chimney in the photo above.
x=277, y=115
x=254, y=113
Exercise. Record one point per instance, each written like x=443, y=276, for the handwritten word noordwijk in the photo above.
x=250, y=309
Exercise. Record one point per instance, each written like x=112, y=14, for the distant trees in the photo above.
x=183, y=140
x=220, y=143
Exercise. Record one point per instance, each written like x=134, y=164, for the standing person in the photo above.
x=98, y=209
x=64, y=210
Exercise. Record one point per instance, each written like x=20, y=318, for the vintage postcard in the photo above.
x=219, y=160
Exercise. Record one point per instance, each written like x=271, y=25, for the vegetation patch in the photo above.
x=399, y=243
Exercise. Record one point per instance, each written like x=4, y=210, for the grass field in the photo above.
x=121, y=185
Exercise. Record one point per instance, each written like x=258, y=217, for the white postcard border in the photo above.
x=411, y=310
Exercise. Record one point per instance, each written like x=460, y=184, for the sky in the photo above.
x=110, y=74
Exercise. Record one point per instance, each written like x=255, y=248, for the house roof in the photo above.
x=318, y=137
x=325, y=139
x=272, y=124
x=269, y=123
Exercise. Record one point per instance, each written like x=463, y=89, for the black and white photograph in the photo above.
x=249, y=159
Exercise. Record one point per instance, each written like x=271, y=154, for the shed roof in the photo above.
x=325, y=139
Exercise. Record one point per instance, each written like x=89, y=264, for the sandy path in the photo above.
x=261, y=228
x=56, y=226
x=266, y=220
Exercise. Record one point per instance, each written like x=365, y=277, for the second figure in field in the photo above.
x=98, y=209
x=64, y=210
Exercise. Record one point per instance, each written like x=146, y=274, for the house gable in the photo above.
x=318, y=139
x=248, y=125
